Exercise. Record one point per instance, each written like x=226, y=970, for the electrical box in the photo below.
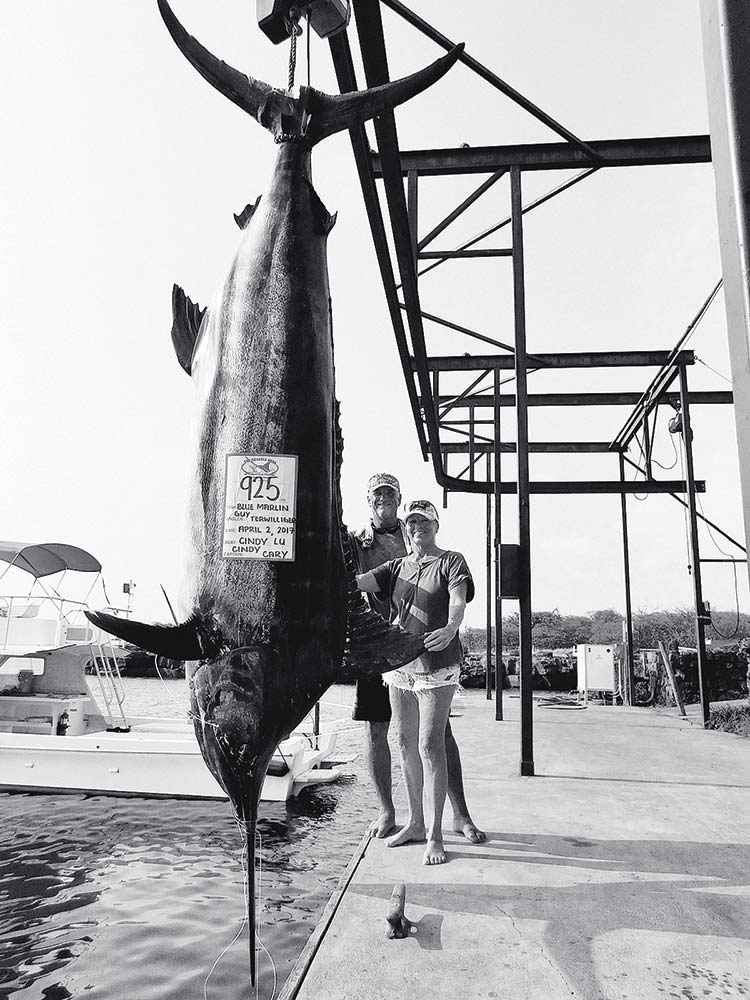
x=509, y=570
x=326, y=17
x=596, y=668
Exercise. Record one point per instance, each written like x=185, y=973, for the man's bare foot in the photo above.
x=383, y=825
x=407, y=834
x=434, y=853
x=464, y=825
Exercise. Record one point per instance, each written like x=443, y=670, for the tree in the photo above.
x=606, y=627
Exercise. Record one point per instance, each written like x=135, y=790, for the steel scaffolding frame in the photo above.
x=422, y=371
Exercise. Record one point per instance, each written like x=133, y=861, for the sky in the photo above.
x=121, y=171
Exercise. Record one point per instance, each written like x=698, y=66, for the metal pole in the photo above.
x=726, y=29
x=498, y=535
x=647, y=448
x=695, y=558
x=524, y=527
x=412, y=208
x=629, y=667
x=488, y=658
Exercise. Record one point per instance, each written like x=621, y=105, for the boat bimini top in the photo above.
x=47, y=558
x=24, y=622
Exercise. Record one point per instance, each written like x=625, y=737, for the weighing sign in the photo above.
x=260, y=507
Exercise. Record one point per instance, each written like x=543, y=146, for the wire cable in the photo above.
x=736, y=629
x=685, y=510
x=706, y=365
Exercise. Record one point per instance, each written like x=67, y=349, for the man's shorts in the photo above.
x=407, y=679
x=372, y=703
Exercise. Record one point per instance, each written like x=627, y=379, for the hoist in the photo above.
x=277, y=19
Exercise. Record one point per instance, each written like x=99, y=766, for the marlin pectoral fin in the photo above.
x=374, y=646
x=189, y=641
x=187, y=317
x=243, y=219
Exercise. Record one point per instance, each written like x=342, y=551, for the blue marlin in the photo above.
x=269, y=634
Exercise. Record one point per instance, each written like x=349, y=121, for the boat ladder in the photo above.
x=110, y=682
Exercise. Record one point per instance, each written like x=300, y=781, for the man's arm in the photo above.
x=442, y=637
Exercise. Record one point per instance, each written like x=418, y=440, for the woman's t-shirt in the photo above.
x=419, y=594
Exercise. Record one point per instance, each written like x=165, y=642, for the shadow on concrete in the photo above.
x=427, y=930
x=655, y=885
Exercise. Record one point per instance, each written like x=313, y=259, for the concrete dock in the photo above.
x=622, y=870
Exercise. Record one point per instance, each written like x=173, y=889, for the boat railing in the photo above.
x=42, y=621
x=46, y=620
x=107, y=670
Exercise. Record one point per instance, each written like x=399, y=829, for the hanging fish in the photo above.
x=270, y=597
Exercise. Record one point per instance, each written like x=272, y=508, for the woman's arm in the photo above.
x=367, y=583
x=442, y=637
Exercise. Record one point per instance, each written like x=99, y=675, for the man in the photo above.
x=383, y=538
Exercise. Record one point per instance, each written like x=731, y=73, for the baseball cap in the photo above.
x=422, y=507
x=383, y=479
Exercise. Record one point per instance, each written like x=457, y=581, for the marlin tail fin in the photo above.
x=313, y=115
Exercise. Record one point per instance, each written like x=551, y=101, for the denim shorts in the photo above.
x=407, y=679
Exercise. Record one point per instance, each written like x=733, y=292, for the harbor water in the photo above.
x=137, y=899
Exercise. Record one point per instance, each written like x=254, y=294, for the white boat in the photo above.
x=54, y=737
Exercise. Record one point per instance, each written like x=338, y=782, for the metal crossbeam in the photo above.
x=587, y=359
x=537, y=447
x=593, y=399
x=489, y=76
x=464, y=254
x=646, y=152
x=579, y=488
x=529, y=207
x=460, y=209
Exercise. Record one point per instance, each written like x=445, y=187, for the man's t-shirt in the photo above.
x=386, y=546
x=419, y=593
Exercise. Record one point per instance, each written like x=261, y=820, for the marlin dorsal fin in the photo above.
x=187, y=317
x=243, y=219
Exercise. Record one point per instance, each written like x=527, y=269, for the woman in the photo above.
x=429, y=588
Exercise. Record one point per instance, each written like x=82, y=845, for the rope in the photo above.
x=308, y=53
x=294, y=31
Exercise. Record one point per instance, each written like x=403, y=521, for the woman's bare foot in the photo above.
x=465, y=825
x=434, y=853
x=383, y=825
x=407, y=834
